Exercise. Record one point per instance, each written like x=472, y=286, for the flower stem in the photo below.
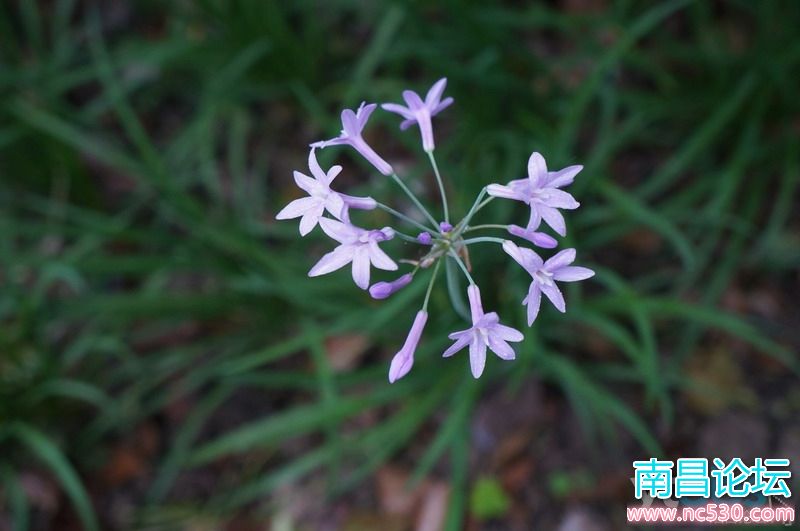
x=488, y=200
x=462, y=266
x=405, y=237
x=484, y=239
x=405, y=218
x=430, y=285
x=487, y=226
x=414, y=199
x=477, y=205
x=441, y=185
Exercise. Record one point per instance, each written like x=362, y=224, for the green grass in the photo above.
x=142, y=165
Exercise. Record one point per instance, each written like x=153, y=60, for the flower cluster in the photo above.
x=541, y=191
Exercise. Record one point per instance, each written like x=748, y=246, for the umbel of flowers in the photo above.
x=542, y=191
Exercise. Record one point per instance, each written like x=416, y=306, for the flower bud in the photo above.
x=539, y=239
x=382, y=290
x=404, y=359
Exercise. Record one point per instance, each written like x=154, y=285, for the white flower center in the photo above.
x=544, y=278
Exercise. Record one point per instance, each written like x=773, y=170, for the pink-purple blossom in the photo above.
x=357, y=245
x=320, y=197
x=353, y=124
x=541, y=191
x=404, y=359
x=486, y=332
x=421, y=112
x=544, y=275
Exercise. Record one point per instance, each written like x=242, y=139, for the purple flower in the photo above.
x=424, y=238
x=420, y=112
x=320, y=197
x=352, y=125
x=539, y=239
x=486, y=332
x=404, y=359
x=541, y=191
x=358, y=246
x=445, y=227
x=545, y=275
x=382, y=290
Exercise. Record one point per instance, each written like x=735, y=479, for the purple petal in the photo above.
x=527, y=258
x=559, y=260
x=474, y=296
x=413, y=100
x=537, y=169
x=534, y=302
x=338, y=141
x=363, y=114
x=306, y=183
x=445, y=227
x=315, y=168
x=506, y=333
x=553, y=218
x=573, y=273
x=462, y=338
x=477, y=356
x=331, y=175
x=361, y=203
x=310, y=219
x=554, y=294
x=501, y=348
x=560, y=199
x=499, y=190
x=404, y=359
x=297, y=208
x=398, y=109
x=336, y=259
x=536, y=218
x=350, y=123
x=361, y=267
x=561, y=178
x=435, y=93
x=442, y=106
x=405, y=124
x=513, y=250
x=336, y=206
x=341, y=232
x=425, y=238
x=380, y=259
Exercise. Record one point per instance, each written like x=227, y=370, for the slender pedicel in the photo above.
x=432, y=158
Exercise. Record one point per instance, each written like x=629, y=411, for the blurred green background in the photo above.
x=165, y=363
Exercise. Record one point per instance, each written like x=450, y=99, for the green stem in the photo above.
x=477, y=205
x=488, y=200
x=430, y=285
x=414, y=199
x=441, y=185
x=405, y=218
x=484, y=239
x=462, y=266
x=405, y=237
x=487, y=226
